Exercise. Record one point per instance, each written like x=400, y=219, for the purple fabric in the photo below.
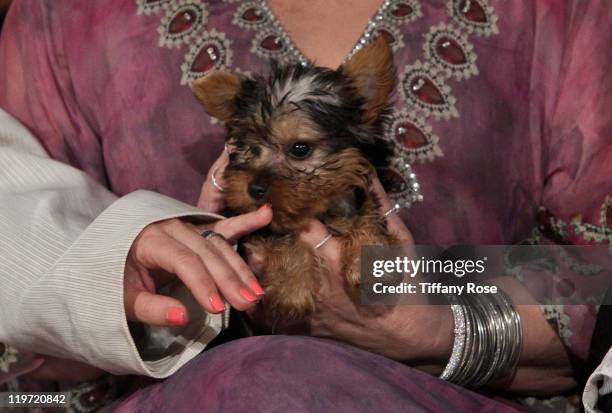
x=299, y=374
x=91, y=82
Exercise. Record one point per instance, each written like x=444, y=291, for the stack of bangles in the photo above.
x=488, y=339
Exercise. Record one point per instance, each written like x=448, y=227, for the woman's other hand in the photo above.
x=211, y=197
x=417, y=332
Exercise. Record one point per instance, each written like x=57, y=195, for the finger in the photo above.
x=161, y=251
x=330, y=250
x=211, y=198
x=394, y=223
x=239, y=265
x=154, y=309
x=226, y=277
x=236, y=227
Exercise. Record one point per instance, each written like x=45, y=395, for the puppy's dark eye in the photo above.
x=300, y=150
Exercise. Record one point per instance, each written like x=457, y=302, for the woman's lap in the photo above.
x=301, y=374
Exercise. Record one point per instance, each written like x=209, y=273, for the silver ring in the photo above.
x=323, y=241
x=208, y=234
x=394, y=209
x=215, y=182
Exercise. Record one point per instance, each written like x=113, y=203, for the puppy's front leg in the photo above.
x=369, y=229
x=290, y=274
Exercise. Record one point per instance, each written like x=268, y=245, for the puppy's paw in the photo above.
x=290, y=306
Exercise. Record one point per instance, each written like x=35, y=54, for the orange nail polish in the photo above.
x=217, y=303
x=256, y=288
x=247, y=295
x=176, y=316
x=264, y=206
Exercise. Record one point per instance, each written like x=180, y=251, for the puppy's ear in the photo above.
x=373, y=74
x=218, y=92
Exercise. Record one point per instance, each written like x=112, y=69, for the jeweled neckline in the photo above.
x=368, y=33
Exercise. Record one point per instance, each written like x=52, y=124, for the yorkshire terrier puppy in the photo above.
x=307, y=141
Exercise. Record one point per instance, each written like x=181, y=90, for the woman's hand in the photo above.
x=211, y=197
x=419, y=333
x=422, y=334
x=211, y=269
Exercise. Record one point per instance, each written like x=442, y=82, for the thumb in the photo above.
x=154, y=309
x=234, y=228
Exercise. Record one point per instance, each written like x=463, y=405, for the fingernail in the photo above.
x=247, y=295
x=217, y=303
x=264, y=206
x=176, y=316
x=256, y=288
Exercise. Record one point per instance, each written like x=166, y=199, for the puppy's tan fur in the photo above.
x=333, y=184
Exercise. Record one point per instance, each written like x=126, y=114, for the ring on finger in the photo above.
x=215, y=182
x=323, y=241
x=208, y=234
x=393, y=210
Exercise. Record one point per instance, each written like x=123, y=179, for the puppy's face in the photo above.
x=305, y=139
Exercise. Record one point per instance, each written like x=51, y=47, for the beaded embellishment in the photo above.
x=424, y=84
x=182, y=22
x=210, y=51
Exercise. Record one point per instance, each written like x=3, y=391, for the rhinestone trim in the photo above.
x=273, y=27
x=210, y=38
x=240, y=21
x=378, y=21
x=438, y=70
x=412, y=193
x=148, y=7
x=445, y=109
x=408, y=18
x=459, y=343
x=430, y=47
x=168, y=39
x=457, y=8
x=427, y=152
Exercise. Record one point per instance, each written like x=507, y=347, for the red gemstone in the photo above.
x=402, y=10
x=473, y=11
x=252, y=15
x=272, y=43
x=206, y=58
x=410, y=135
x=450, y=51
x=392, y=181
x=387, y=36
x=425, y=90
x=182, y=21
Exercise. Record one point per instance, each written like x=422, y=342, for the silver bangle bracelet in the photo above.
x=488, y=339
x=460, y=330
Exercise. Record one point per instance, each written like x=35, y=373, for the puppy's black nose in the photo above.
x=257, y=190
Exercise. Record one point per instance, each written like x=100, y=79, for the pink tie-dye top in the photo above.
x=502, y=107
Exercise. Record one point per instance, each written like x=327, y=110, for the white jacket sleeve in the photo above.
x=599, y=384
x=64, y=240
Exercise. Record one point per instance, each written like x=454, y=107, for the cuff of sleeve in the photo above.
x=87, y=285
